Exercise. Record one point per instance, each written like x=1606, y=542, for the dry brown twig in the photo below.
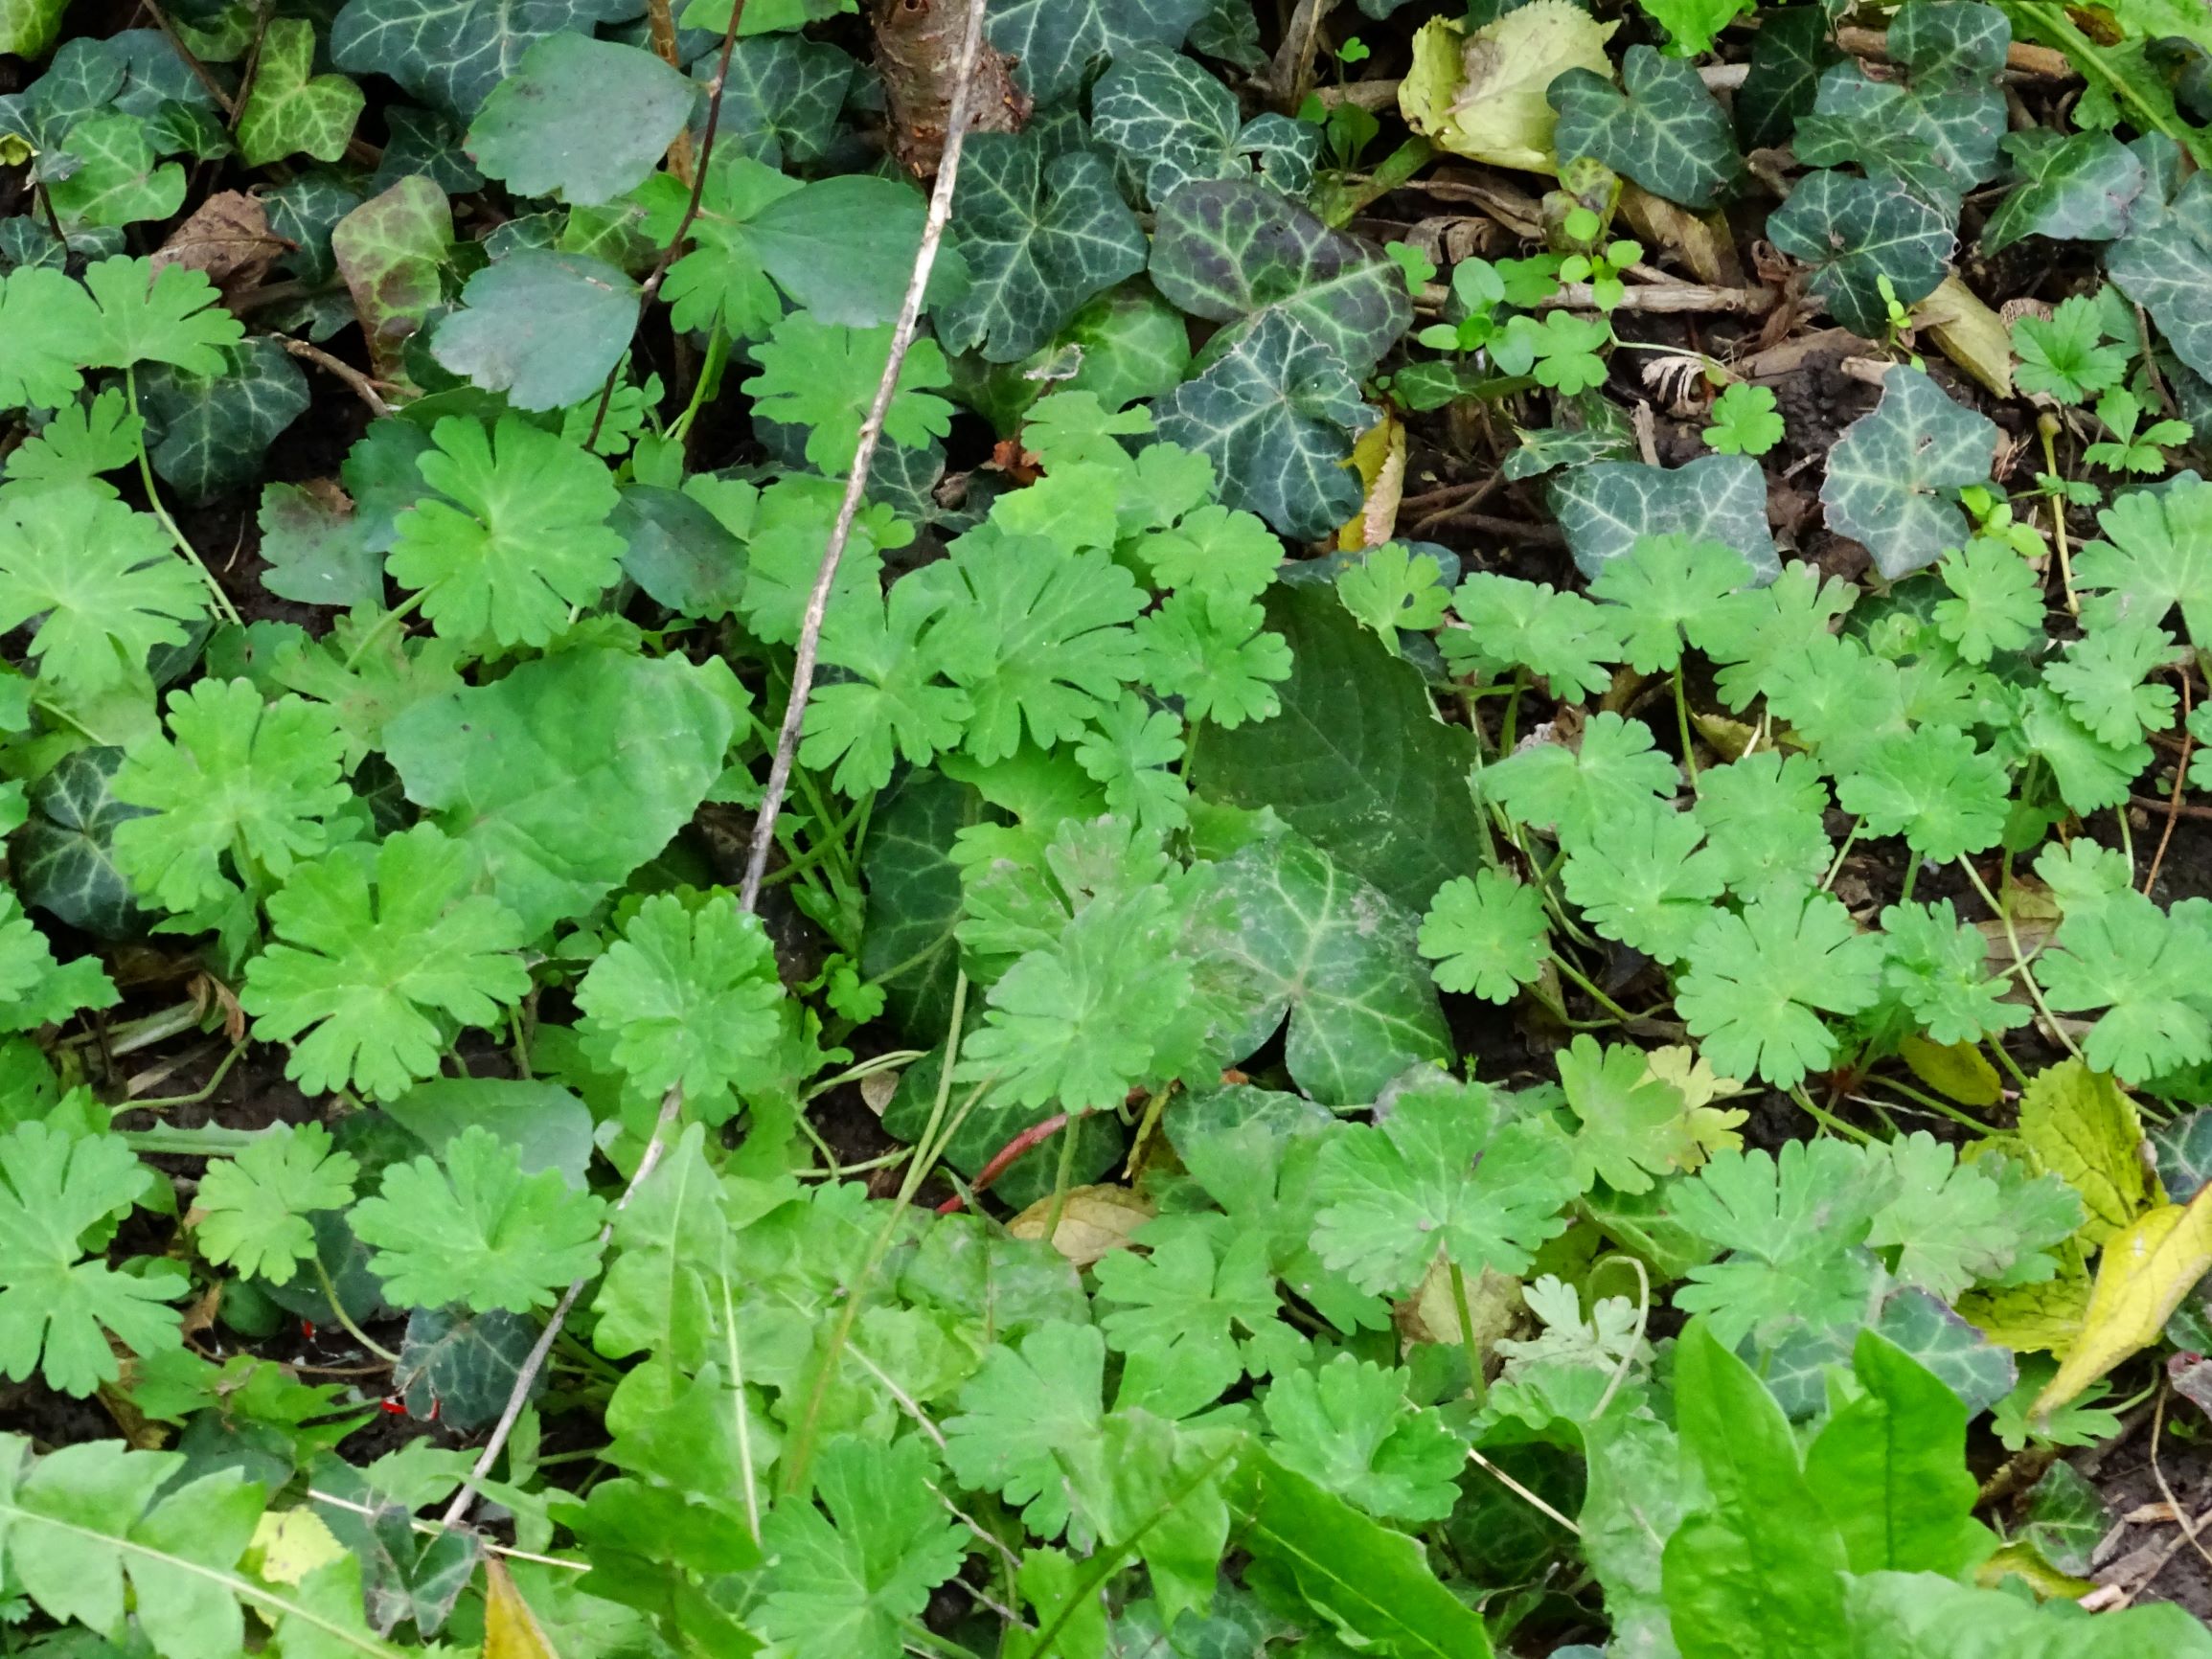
x=362, y=386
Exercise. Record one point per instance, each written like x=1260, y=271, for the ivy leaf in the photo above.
x=1932, y=786
x=1854, y=231
x=1057, y=42
x=1646, y=882
x=209, y=433
x=2157, y=554
x=102, y=579
x=63, y=859
x=478, y=1231
x=291, y=110
x=1235, y=251
x=781, y=99
x=546, y=329
x=392, y=252
x=118, y=179
x=46, y=320
x=816, y=375
x=1937, y=128
x=1348, y=1428
x=1176, y=123
x=1562, y=638
x=1756, y=984
x=2074, y=186
x=1761, y=816
x=2147, y=968
x=1276, y=414
x=689, y=997
x=55, y=1310
x=2164, y=264
x=848, y=1584
x=1616, y=771
x=1662, y=585
x=240, y=778
x=1040, y=232
x=540, y=132
x=1607, y=508
x=452, y=52
x=1439, y=1174
x=1891, y=476
x=515, y=537
x=1663, y=130
x=1487, y=934
x=1997, y=602
x=1216, y=654
x=1199, y=1311
x=371, y=943
x=255, y=1207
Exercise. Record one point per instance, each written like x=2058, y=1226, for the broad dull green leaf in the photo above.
x=1174, y=123
x=1607, y=508
x=543, y=131
x=460, y=1368
x=1276, y=413
x=1321, y=945
x=1893, y=478
x=210, y=433
x=63, y=859
x=1854, y=231
x=678, y=551
x=2068, y=187
x=505, y=765
x=452, y=52
x=1357, y=761
x=291, y=110
x=543, y=327
x=317, y=546
x=1662, y=129
x=1057, y=42
x=2165, y=266
x=1928, y=1616
x=1235, y=251
x=391, y=250
x=1040, y=232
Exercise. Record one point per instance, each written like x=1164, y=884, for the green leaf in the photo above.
x=2165, y=264
x=914, y=898
x=1691, y=26
x=1318, y=941
x=1893, y=477
x=816, y=375
x=1057, y=42
x=1634, y=1124
x=1214, y=653
x=1935, y=126
x=56, y=1187
x=782, y=95
x=1662, y=584
x=360, y=972
x=504, y=765
x=1607, y=508
x=1955, y=1224
x=1932, y=786
x=1854, y=231
x=211, y=434
x=1135, y=752
x=1939, y=971
x=1487, y=934
x=1761, y=816
x=1040, y=232
x=1645, y=882
x=2101, y=678
x=1756, y=984
x=1174, y=124
x=28, y=27
x=1276, y=413
x=546, y=329
x=119, y=180
x=1348, y=1428
x=2147, y=967
x=35, y=990
x=2156, y=555
x=542, y=132
x=892, y=705
x=1617, y=771
x=76, y=446
x=1663, y=130
x=63, y=859
x=2064, y=356
x=2069, y=188
x=255, y=1206
x=516, y=537
x=318, y=549
x=1392, y=588
x=1441, y=1173
x=392, y=250
x=47, y=325
x=1196, y=1312
x=460, y=1368
x=1357, y=761
x=291, y=110
x=167, y=315
x=1562, y=638
x=1235, y=251
x=102, y=579
x=452, y=52
x=2088, y=774
x=688, y=996
x=1996, y=603
x=1927, y=1616
x=846, y=1585
x=1021, y=1406
x=477, y=1231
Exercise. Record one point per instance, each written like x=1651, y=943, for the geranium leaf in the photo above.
x=1854, y=231
x=104, y=580
x=1757, y=982
x=1487, y=934
x=1607, y=507
x=2157, y=554
x=688, y=996
x=1893, y=476
x=816, y=374
x=543, y=327
x=255, y=1204
x=1663, y=129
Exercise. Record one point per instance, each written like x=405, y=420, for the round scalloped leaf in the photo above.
x=1606, y=507
x=291, y=110
x=1235, y=251
x=544, y=130
x=452, y=52
x=1664, y=131
x=62, y=857
x=1893, y=476
x=2077, y=188
x=2166, y=267
x=543, y=327
x=1057, y=42
x=1852, y=231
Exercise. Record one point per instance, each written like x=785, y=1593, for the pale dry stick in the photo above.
x=431, y=1529
x=1663, y=297
x=362, y=386
x=863, y=456
x=1522, y=1492
x=670, y=1104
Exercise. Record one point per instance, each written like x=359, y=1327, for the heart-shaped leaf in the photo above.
x=1040, y=234
x=207, y=433
x=1176, y=123
x=1056, y=43
x=1938, y=129
x=291, y=110
x=542, y=328
x=452, y=52
x=2077, y=188
x=1235, y=251
x=391, y=250
x=1664, y=131
x=1787, y=58
x=1852, y=231
x=1893, y=476
x=781, y=99
x=1606, y=507
x=2165, y=266
x=543, y=131
x=119, y=180
x=1277, y=414
x=62, y=857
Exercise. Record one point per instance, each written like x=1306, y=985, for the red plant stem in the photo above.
x=1028, y=1141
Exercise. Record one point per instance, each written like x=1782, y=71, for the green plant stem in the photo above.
x=207, y=1141
x=1341, y=204
x=2088, y=57
x=1911, y=875
x=1477, y=1385
x=1828, y=1120
x=346, y=1319
x=1842, y=852
x=1930, y=1102
x=1996, y=1046
x=1682, y=724
x=1582, y=982
x=709, y=382
x=376, y=630
x=2004, y=915
x=228, y=611
x=1063, y=1174
x=213, y=1084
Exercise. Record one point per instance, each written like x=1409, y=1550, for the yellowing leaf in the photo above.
x=511, y=1630
x=1482, y=95
x=1380, y=460
x=2141, y=1278
x=1968, y=333
x=1956, y=1070
x=2030, y=1318
x=1493, y=1308
x=289, y=1544
x=1094, y=1220
x=2020, y=1560
x=2079, y=1125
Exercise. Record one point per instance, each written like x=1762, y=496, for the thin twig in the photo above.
x=2173, y=802
x=527, y=1377
x=431, y=1529
x=362, y=386
x=864, y=455
x=191, y=59
x=1522, y=1492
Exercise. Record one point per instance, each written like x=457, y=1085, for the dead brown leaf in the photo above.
x=228, y=238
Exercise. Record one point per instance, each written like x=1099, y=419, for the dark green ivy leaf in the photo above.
x=1852, y=231
x=1938, y=129
x=208, y=432
x=457, y=1368
x=2077, y=188
x=452, y=52
x=1792, y=50
x=1893, y=477
x=914, y=899
x=781, y=99
x=61, y=859
x=1059, y=42
x=1174, y=123
x=1606, y=507
x=2165, y=266
x=1664, y=131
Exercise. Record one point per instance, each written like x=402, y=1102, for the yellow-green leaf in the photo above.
x=1482, y=95
x=1956, y=1070
x=2141, y=1278
x=2081, y=1127
x=289, y=1544
x=2030, y=1318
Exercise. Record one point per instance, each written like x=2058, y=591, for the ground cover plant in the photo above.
x=1452, y=895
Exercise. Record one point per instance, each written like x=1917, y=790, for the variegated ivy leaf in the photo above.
x=1893, y=478
x=1234, y=251
x=1606, y=507
x=2166, y=267
x=63, y=859
x=2077, y=188
x=1276, y=414
x=1056, y=43
x=1174, y=124
x=1786, y=60
x=208, y=433
x=1664, y=131
x=781, y=99
x=1042, y=232
x=391, y=251
x=118, y=179
x=1938, y=129
x=291, y=110
x=1852, y=231
x=452, y=52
